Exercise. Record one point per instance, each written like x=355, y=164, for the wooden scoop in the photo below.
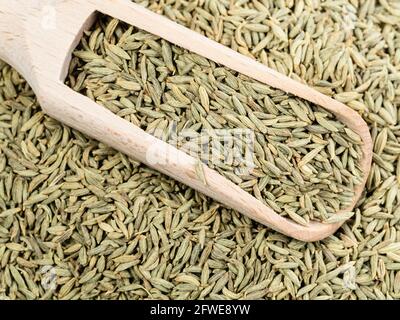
x=37, y=38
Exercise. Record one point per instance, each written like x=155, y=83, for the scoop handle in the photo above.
x=12, y=43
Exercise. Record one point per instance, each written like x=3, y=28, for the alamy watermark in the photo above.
x=215, y=148
x=48, y=278
x=349, y=278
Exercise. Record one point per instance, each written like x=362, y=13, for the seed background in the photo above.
x=90, y=223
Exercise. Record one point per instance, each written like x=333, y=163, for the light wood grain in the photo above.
x=42, y=56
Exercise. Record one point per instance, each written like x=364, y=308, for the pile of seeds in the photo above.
x=79, y=220
x=305, y=163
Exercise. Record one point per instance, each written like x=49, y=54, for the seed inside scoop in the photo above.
x=292, y=155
